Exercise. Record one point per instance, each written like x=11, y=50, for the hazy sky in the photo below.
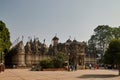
x=45, y=18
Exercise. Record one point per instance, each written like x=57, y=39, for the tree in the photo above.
x=116, y=32
x=4, y=38
x=103, y=35
x=56, y=61
x=99, y=41
x=112, y=55
x=91, y=48
x=59, y=59
x=47, y=63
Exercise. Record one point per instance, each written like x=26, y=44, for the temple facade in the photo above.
x=34, y=51
x=27, y=55
x=73, y=49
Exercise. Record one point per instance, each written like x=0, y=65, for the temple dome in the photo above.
x=68, y=41
x=55, y=38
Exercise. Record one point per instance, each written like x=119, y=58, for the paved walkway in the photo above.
x=25, y=74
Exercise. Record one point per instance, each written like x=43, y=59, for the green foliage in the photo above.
x=59, y=59
x=101, y=38
x=46, y=63
x=112, y=55
x=4, y=38
x=116, y=32
x=56, y=61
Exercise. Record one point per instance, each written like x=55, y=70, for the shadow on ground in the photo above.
x=98, y=76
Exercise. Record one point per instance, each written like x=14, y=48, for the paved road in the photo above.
x=26, y=74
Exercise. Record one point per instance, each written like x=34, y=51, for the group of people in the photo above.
x=74, y=67
x=71, y=67
x=95, y=66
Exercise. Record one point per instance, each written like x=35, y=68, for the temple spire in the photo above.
x=44, y=41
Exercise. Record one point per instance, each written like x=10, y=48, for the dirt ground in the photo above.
x=26, y=74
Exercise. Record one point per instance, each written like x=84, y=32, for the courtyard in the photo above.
x=26, y=74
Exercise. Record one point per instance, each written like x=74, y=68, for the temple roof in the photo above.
x=75, y=40
x=69, y=41
x=55, y=38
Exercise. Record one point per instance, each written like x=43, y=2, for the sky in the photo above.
x=44, y=19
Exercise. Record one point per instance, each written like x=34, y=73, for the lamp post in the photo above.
x=1, y=61
x=0, y=57
x=89, y=58
x=68, y=62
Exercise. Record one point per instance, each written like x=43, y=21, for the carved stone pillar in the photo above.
x=21, y=54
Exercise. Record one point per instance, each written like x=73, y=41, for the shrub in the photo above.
x=46, y=63
x=56, y=61
x=59, y=60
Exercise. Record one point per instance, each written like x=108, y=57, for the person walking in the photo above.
x=90, y=66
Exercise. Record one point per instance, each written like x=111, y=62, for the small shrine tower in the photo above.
x=55, y=41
